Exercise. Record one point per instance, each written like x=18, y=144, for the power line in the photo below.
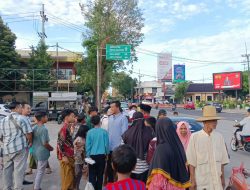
x=65, y=21
x=65, y=24
x=20, y=17
x=12, y=14
x=156, y=54
x=27, y=20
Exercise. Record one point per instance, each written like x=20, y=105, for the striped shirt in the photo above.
x=13, y=138
x=141, y=166
x=126, y=184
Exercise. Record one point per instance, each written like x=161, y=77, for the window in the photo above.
x=65, y=74
x=198, y=98
x=154, y=90
x=209, y=98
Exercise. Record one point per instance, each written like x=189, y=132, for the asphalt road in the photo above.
x=52, y=181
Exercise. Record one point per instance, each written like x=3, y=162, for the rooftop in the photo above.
x=201, y=87
x=62, y=55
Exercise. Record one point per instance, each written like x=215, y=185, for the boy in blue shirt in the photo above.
x=97, y=148
x=41, y=147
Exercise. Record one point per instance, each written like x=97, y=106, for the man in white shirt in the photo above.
x=245, y=123
x=207, y=154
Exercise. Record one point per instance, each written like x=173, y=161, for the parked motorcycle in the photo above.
x=245, y=140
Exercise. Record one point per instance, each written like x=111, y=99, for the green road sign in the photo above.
x=118, y=52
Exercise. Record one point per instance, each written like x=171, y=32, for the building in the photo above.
x=66, y=70
x=201, y=92
x=153, y=91
x=65, y=76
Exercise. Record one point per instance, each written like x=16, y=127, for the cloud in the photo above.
x=161, y=4
x=227, y=46
x=67, y=9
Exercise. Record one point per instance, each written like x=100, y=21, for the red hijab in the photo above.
x=184, y=140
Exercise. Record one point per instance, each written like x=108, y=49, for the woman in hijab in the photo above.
x=168, y=169
x=138, y=137
x=184, y=133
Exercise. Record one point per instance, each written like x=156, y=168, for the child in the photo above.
x=97, y=148
x=123, y=162
x=79, y=152
x=41, y=147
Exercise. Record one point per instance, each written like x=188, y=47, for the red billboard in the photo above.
x=227, y=81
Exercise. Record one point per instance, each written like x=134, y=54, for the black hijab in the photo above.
x=138, y=136
x=169, y=157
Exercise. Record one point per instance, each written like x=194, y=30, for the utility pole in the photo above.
x=98, y=86
x=57, y=66
x=248, y=70
x=139, y=91
x=44, y=19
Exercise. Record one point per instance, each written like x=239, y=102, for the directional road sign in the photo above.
x=118, y=52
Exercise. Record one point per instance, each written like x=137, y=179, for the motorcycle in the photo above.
x=245, y=140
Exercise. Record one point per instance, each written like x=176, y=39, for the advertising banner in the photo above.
x=227, y=81
x=179, y=73
x=164, y=67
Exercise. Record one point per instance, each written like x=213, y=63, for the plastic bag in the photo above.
x=89, y=186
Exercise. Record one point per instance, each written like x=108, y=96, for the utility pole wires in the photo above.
x=248, y=70
x=42, y=34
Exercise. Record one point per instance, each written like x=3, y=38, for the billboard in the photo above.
x=164, y=67
x=179, y=73
x=227, y=81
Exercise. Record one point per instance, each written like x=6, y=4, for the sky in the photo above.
x=208, y=36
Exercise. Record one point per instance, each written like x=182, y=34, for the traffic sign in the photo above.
x=118, y=52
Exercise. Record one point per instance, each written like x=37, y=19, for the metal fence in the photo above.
x=28, y=80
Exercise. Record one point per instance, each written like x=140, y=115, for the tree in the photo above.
x=9, y=59
x=124, y=84
x=40, y=76
x=117, y=21
x=180, y=90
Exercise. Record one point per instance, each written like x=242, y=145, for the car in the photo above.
x=217, y=106
x=162, y=102
x=189, y=105
x=4, y=107
x=146, y=102
x=195, y=126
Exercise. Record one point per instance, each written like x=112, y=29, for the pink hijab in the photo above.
x=184, y=140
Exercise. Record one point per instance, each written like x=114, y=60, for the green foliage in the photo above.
x=41, y=65
x=113, y=22
x=180, y=90
x=200, y=104
x=123, y=83
x=9, y=59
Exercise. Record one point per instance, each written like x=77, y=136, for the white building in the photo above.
x=154, y=90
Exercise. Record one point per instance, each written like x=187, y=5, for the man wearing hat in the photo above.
x=207, y=154
x=145, y=109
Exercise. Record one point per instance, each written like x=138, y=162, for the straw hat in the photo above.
x=209, y=113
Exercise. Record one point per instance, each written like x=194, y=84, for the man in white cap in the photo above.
x=207, y=154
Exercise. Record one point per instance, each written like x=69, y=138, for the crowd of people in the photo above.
x=116, y=151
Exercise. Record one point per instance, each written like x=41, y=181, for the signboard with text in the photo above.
x=118, y=52
x=179, y=73
x=164, y=67
x=227, y=81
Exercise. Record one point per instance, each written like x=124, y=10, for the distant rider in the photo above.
x=245, y=123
